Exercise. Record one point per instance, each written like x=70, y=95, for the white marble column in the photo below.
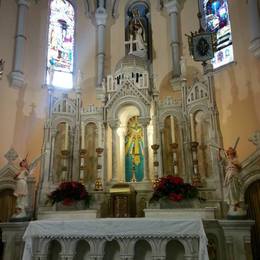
x=173, y=9
x=114, y=127
x=144, y=122
x=254, y=19
x=16, y=77
x=122, y=133
x=101, y=19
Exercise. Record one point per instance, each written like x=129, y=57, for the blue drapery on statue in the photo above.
x=134, y=158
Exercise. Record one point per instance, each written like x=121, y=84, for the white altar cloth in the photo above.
x=115, y=228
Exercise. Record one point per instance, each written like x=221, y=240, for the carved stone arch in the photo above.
x=63, y=119
x=74, y=245
x=46, y=245
x=198, y=107
x=148, y=240
x=130, y=2
x=91, y=121
x=248, y=179
x=115, y=243
x=125, y=101
x=172, y=112
x=183, y=242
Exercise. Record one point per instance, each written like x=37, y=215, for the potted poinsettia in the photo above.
x=70, y=195
x=172, y=190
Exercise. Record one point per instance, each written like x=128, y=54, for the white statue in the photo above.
x=140, y=42
x=137, y=34
x=21, y=190
x=232, y=181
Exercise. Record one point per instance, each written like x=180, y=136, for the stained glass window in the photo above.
x=61, y=44
x=217, y=20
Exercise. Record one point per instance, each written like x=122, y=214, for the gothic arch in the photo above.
x=63, y=119
x=124, y=101
x=183, y=242
x=198, y=107
x=173, y=112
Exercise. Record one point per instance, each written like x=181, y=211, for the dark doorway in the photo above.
x=252, y=198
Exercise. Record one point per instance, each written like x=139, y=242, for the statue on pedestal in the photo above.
x=232, y=181
x=21, y=190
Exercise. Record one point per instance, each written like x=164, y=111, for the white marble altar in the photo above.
x=157, y=232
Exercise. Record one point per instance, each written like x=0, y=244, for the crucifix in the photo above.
x=131, y=42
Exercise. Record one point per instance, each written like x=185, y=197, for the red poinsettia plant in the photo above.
x=173, y=188
x=69, y=192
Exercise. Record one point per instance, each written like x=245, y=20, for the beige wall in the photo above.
x=237, y=85
x=21, y=124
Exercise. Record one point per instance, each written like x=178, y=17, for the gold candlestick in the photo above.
x=98, y=182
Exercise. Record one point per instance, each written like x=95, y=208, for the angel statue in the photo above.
x=232, y=181
x=21, y=190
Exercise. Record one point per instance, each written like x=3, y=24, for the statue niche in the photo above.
x=202, y=127
x=171, y=141
x=91, y=155
x=138, y=32
x=134, y=151
x=62, y=145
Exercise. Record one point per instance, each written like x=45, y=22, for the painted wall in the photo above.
x=22, y=111
x=238, y=84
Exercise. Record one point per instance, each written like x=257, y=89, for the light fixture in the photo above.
x=202, y=44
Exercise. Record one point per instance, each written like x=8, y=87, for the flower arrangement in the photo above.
x=69, y=192
x=174, y=189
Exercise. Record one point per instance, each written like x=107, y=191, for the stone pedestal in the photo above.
x=12, y=236
x=237, y=238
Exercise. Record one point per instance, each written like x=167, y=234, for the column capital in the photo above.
x=174, y=6
x=101, y=16
x=144, y=121
x=114, y=124
x=24, y=2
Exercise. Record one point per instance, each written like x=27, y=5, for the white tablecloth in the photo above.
x=116, y=228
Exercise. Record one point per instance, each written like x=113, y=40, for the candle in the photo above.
x=173, y=130
x=192, y=128
x=66, y=141
x=82, y=136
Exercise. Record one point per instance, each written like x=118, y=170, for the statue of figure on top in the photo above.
x=137, y=35
x=232, y=181
x=21, y=190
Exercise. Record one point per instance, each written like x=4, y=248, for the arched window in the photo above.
x=216, y=18
x=60, y=58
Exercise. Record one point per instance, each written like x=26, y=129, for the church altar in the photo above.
x=158, y=232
